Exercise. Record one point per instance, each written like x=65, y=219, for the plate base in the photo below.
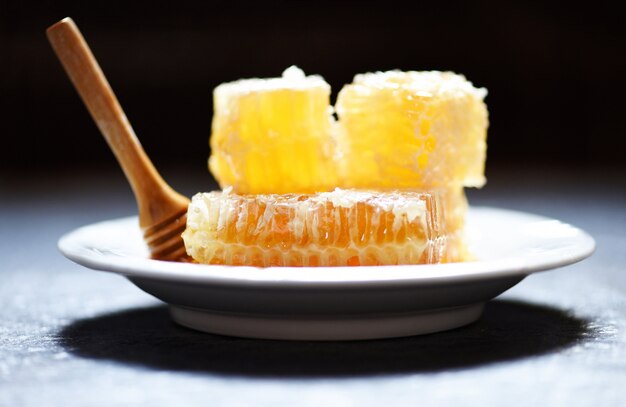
x=329, y=328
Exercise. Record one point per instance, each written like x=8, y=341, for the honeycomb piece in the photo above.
x=454, y=206
x=418, y=130
x=274, y=135
x=339, y=228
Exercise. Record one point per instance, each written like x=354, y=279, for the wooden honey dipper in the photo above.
x=162, y=211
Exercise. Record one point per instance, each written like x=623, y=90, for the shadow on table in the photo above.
x=147, y=337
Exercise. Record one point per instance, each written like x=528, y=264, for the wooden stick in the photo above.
x=156, y=200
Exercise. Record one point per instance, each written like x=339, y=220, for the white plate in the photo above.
x=337, y=303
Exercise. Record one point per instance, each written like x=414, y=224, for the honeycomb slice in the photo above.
x=274, y=135
x=339, y=228
x=412, y=130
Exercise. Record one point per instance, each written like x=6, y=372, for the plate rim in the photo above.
x=255, y=277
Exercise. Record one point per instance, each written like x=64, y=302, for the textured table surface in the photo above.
x=74, y=337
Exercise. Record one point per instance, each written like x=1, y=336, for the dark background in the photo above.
x=555, y=73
